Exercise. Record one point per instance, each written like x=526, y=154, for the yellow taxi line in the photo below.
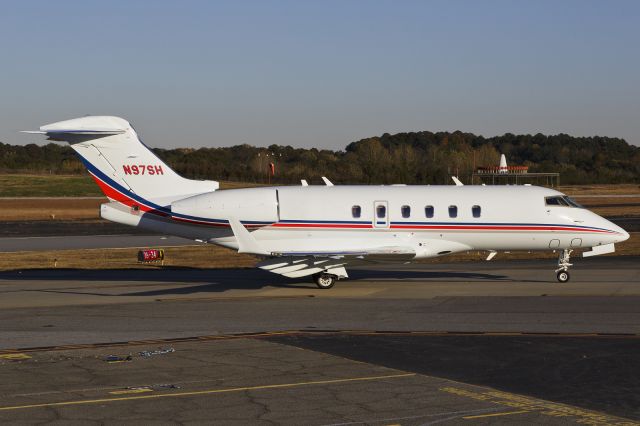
x=508, y=413
x=206, y=392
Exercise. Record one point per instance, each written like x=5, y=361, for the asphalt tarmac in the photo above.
x=491, y=342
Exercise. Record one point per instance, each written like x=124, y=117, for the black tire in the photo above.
x=324, y=281
x=563, y=276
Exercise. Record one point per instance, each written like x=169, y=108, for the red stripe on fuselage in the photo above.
x=321, y=225
x=498, y=228
x=441, y=227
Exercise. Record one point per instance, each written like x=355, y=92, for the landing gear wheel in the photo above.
x=324, y=281
x=563, y=276
x=563, y=265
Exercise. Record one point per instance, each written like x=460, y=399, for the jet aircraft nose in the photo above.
x=622, y=234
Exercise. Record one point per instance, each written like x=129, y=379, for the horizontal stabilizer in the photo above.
x=75, y=132
x=84, y=128
x=75, y=135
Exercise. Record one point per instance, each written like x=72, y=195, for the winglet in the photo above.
x=246, y=242
x=327, y=181
x=304, y=182
x=457, y=181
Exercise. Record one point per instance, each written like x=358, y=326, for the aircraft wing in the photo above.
x=380, y=253
x=296, y=264
x=248, y=244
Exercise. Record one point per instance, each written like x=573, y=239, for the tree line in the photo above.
x=411, y=158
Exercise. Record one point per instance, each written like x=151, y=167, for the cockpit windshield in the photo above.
x=561, y=201
x=572, y=202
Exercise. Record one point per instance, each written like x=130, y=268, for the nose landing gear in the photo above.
x=562, y=273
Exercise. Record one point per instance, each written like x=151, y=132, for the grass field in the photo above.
x=65, y=186
x=199, y=256
x=47, y=186
x=597, y=189
x=64, y=208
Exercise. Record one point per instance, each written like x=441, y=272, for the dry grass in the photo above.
x=583, y=190
x=588, y=201
x=226, y=184
x=610, y=206
x=66, y=208
x=201, y=256
x=616, y=210
x=208, y=256
x=50, y=208
x=23, y=185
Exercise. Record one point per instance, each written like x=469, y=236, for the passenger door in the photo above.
x=380, y=214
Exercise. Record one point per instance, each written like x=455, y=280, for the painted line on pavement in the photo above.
x=206, y=392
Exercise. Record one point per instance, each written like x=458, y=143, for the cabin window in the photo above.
x=356, y=211
x=453, y=211
x=476, y=211
x=406, y=211
x=381, y=212
x=428, y=211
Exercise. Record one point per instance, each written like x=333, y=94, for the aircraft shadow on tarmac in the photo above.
x=221, y=280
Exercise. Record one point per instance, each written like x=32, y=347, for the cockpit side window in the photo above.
x=555, y=201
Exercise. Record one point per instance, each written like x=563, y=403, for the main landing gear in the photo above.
x=562, y=273
x=324, y=280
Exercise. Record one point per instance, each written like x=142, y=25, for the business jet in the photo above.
x=317, y=230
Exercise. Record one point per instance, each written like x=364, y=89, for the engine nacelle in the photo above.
x=433, y=248
x=258, y=205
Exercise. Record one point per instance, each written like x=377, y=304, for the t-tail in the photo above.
x=124, y=168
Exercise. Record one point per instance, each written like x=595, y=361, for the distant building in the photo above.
x=503, y=164
x=504, y=174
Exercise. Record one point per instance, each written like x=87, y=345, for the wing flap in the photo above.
x=302, y=264
x=379, y=253
x=296, y=267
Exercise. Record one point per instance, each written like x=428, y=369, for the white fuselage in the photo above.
x=435, y=220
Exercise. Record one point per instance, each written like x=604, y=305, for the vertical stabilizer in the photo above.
x=124, y=168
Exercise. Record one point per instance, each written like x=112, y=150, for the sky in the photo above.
x=321, y=73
